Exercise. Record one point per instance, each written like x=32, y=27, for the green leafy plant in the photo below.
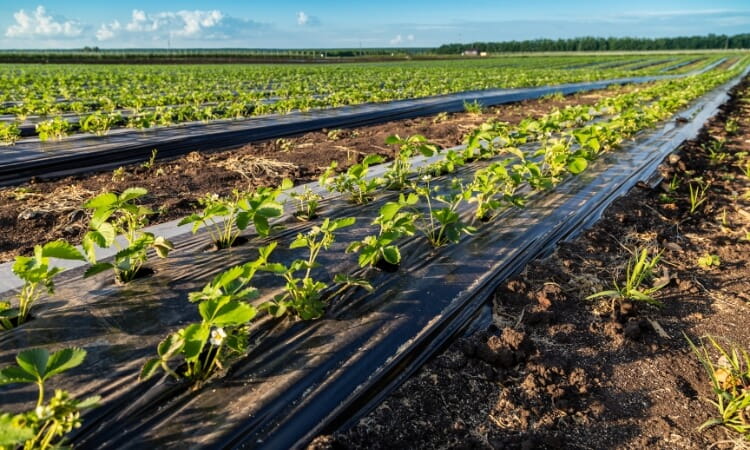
x=37, y=276
x=442, y=225
x=394, y=224
x=115, y=215
x=640, y=270
x=474, y=107
x=732, y=126
x=674, y=184
x=409, y=147
x=205, y=346
x=716, y=150
x=53, y=129
x=9, y=133
x=303, y=296
x=448, y=164
x=45, y=426
x=335, y=134
x=697, y=195
x=354, y=181
x=730, y=381
x=307, y=204
x=493, y=187
x=226, y=217
x=148, y=165
x=708, y=261
x=99, y=123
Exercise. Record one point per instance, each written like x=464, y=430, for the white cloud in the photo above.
x=399, y=39
x=302, y=18
x=41, y=24
x=184, y=23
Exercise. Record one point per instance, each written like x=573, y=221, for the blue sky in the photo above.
x=387, y=23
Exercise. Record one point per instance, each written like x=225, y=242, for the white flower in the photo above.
x=217, y=336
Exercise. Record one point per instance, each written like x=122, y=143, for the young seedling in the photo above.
x=730, y=381
x=37, y=275
x=697, y=195
x=715, y=150
x=303, y=297
x=732, y=126
x=400, y=169
x=115, y=215
x=148, y=165
x=443, y=225
x=307, y=204
x=448, y=164
x=222, y=333
x=381, y=249
x=640, y=270
x=708, y=261
x=46, y=425
x=474, y=108
x=354, y=181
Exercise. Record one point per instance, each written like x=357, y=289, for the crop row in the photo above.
x=151, y=96
x=443, y=209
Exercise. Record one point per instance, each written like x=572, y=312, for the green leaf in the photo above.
x=132, y=193
x=97, y=268
x=341, y=223
x=299, y=242
x=64, y=359
x=89, y=402
x=61, y=250
x=162, y=246
x=104, y=234
x=190, y=219
x=234, y=313
x=149, y=369
x=393, y=139
x=270, y=210
x=391, y=254
x=105, y=199
x=34, y=361
x=195, y=335
x=12, y=432
x=261, y=225
x=243, y=220
x=170, y=346
x=274, y=268
x=577, y=165
x=389, y=210
x=286, y=184
x=15, y=374
x=372, y=159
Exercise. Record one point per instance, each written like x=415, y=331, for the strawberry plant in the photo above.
x=46, y=425
x=307, y=204
x=115, y=215
x=206, y=346
x=493, y=187
x=9, y=133
x=354, y=181
x=407, y=148
x=381, y=249
x=53, y=129
x=37, y=276
x=226, y=217
x=442, y=225
x=99, y=123
x=303, y=297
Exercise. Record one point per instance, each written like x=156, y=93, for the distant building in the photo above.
x=471, y=52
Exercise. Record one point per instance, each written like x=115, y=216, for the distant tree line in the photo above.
x=712, y=41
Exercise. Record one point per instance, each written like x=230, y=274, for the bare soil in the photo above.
x=39, y=212
x=555, y=370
